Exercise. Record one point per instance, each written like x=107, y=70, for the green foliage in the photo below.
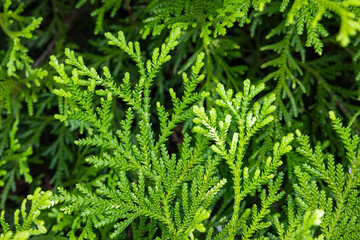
x=16, y=70
x=220, y=15
x=247, y=123
x=339, y=199
x=29, y=224
x=298, y=226
x=13, y=162
x=208, y=16
x=309, y=13
x=168, y=141
x=149, y=157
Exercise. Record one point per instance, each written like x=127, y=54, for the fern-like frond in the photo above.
x=30, y=224
x=338, y=200
x=16, y=69
x=159, y=175
x=248, y=119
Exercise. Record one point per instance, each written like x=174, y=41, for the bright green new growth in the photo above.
x=29, y=224
x=195, y=161
x=168, y=192
x=236, y=110
x=170, y=195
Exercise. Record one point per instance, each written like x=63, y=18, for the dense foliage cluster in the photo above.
x=187, y=119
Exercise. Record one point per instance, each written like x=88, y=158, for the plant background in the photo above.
x=307, y=54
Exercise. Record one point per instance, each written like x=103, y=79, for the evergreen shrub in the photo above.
x=187, y=119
